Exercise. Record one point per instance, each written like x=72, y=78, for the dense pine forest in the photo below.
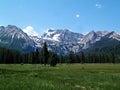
x=8, y=56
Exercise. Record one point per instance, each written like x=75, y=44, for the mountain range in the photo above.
x=59, y=41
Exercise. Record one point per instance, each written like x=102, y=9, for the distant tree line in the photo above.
x=8, y=56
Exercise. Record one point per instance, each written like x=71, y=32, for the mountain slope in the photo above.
x=67, y=41
x=14, y=38
x=59, y=41
x=64, y=41
x=92, y=37
x=108, y=43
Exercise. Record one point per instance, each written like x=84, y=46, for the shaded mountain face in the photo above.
x=14, y=38
x=108, y=43
x=59, y=41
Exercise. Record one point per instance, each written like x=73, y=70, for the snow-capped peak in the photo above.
x=118, y=33
x=114, y=35
x=102, y=33
x=62, y=35
x=51, y=35
x=49, y=32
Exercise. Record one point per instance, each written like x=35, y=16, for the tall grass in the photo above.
x=61, y=77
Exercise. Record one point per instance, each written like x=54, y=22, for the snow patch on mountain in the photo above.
x=56, y=37
x=118, y=33
x=49, y=32
x=115, y=35
x=62, y=35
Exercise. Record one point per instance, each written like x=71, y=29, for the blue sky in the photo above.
x=36, y=16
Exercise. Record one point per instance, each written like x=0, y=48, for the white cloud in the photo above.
x=30, y=31
x=85, y=33
x=98, y=5
x=77, y=15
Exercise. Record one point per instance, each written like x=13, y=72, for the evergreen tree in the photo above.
x=33, y=57
x=37, y=56
x=71, y=57
x=61, y=59
x=52, y=59
x=82, y=57
x=113, y=57
x=45, y=54
x=30, y=58
x=77, y=59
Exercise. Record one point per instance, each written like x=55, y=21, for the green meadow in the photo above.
x=61, y=77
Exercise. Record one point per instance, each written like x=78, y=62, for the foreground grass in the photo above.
x=61, y=77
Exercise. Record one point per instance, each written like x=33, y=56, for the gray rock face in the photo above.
x=13, y=37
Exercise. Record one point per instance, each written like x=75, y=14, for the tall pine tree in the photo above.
x=45, y=54
x=53, y=58
x=37, y=56
x=82, y=57
x=71, y=57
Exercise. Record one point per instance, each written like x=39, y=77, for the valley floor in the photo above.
x=61, y=77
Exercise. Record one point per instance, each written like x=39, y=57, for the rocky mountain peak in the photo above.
x=12, y=28
x=113, y=35
x=62, y=35
x=2, y=27
x=13, y=37
x=61, y=41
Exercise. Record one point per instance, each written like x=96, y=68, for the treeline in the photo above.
x=92, y=58
x=44, y=56
x=9, y=56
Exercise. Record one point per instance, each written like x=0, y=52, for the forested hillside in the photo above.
x=44, y=56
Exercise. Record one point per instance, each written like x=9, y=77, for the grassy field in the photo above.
x=61, y=77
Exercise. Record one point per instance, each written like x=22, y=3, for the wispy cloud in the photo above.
x=30, y=31
x=77, y=15
x=98, y=5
